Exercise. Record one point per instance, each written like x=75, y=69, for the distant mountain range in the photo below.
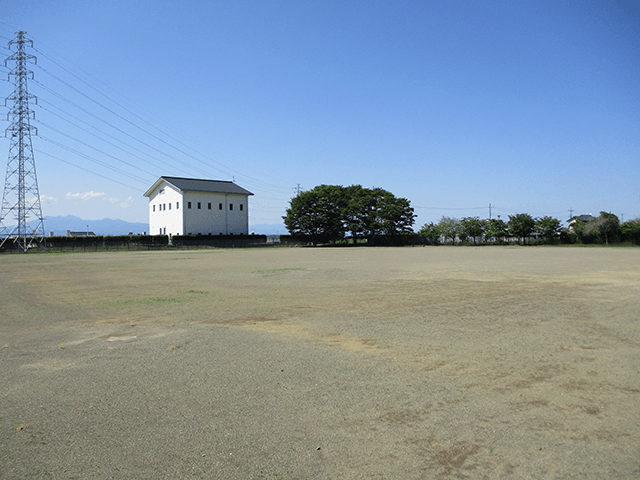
x=107, y=226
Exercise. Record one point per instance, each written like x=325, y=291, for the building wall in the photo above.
x=165, y=211
x=169, y=213
x=229, y=213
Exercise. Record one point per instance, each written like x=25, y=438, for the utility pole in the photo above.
x=570, y=213
x=489, y=211
x=297, y=189
x=21, y=198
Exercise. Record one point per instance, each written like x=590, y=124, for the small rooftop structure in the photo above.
x=582, y=218
x=80, y=234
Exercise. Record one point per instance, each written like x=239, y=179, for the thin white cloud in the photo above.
x=48, y=199
x=111, y=200
x=84, y=195
x=127, y=203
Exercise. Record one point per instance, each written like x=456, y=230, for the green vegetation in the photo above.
x=523, y=228
x=330, y=213
x=548, y=228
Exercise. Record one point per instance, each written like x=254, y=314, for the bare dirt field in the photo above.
x=337, y=363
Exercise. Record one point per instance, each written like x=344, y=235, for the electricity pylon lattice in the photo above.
x=21, y=198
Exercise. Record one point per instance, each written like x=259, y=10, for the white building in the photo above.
x=183, y=206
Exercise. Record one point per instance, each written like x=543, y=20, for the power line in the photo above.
x=132, y=123
x=84, y=110
x=89, y=171
x=91, y=159
x=103, y=139
x=450, y=208
x=268, y=191
x=106, y=141
x=92, y=147
x=124, y=108
x=208, y=159
x=104, y=133
x=101, y=119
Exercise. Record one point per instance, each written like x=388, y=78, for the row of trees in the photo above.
x=332, y=212
x=329, y=213
x=521, y=226
x=605, y=228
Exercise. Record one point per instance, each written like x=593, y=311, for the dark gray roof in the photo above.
x=200, y=185
x=584, y=218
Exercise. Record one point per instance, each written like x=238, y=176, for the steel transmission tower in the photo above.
x=21, y=199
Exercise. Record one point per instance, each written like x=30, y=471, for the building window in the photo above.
x=160, y=230
x=177, y=205
x=188, y=204
x=219, y=206
x=169, y=206
x=199, y=206
x=231, y=206
x=209, y=206
x=241, y=207
x=154, y=208
x=164, y=206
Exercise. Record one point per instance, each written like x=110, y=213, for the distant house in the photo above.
x=184, y=206
x=79, y=234
x=582, y=218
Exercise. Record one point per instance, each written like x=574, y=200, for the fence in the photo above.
x=139, y=242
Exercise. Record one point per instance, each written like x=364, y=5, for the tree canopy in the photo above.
x=330, y=212
x=521, y=225
x=548, y=228
x=604, y=227
x=494, y=230
x=472, y=227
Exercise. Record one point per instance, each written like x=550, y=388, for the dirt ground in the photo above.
x=336, y=363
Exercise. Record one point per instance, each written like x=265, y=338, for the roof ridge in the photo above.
x=198, y=179
x=200, y=185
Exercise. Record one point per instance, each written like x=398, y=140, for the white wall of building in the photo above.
x=172, y=212
x=229, y=213
x=165, y=211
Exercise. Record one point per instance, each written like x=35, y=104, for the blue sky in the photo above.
x=530, y=106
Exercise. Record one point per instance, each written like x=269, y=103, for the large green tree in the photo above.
x=472, y=227
x=630, y=231
x=355, y=211
x=449, y=228
x=328, y=212
x=495, y=228
x=317, y=213
x=521, y=225
x=431, y=232
x=548, y=228
x=605, y=228
x=395, y=215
